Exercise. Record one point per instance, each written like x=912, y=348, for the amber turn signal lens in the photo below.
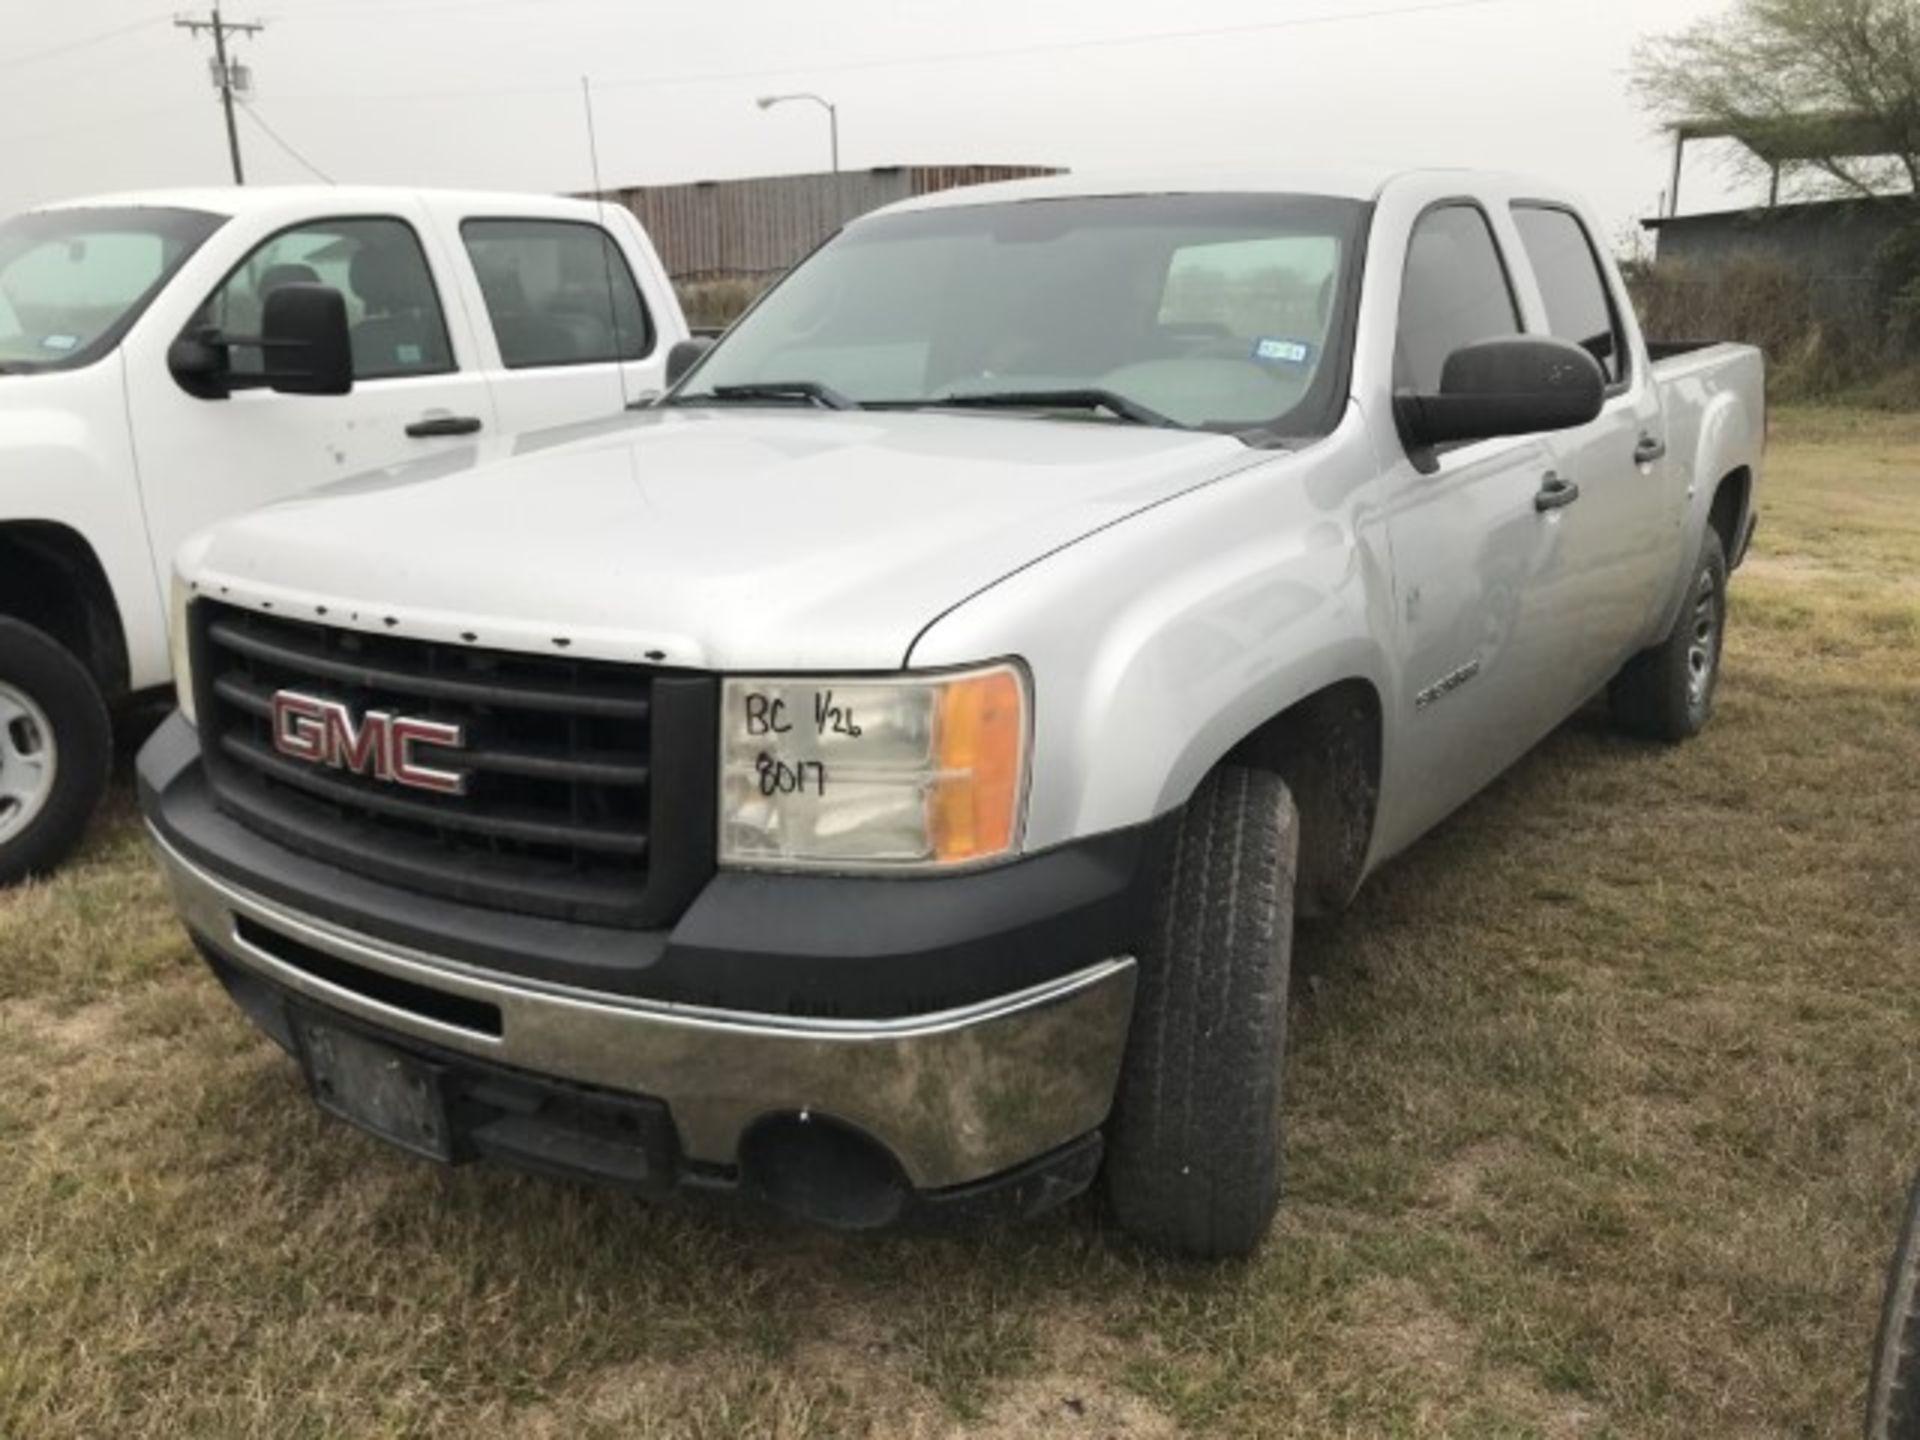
x=979, y=740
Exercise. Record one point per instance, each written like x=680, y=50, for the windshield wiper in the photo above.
x=1078, y=398
x=809, y=390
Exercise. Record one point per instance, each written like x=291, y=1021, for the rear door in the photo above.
x=1477, y=565
x=1621, y=535
x=575, y=317
x=417, y=388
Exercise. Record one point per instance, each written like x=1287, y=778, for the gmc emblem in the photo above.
x=380, y=745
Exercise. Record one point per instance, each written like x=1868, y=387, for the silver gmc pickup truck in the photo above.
x=880, y=778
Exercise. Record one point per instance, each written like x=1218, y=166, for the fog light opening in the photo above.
x=823, y=1171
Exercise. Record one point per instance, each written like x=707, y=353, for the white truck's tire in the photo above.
x=1666, y=693
x=1194, y=1146
x=56, y=749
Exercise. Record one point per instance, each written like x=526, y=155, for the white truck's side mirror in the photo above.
x=307, y=349
x=684, y=355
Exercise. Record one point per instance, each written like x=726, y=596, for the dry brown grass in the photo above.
x=1603, y=1101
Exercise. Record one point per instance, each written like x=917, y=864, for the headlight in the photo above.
x=178, y=598
x=873, y=774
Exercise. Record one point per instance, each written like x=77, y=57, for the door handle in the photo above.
x=1556, y=493
x=1650, y=449
x=435, y=425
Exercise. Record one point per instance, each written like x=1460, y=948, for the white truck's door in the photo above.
x=1477, y=561
x=574, y=312
x=1622, y=538
x=417, y=389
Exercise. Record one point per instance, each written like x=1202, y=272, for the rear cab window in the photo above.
x=1580, y=305
x=558, y=292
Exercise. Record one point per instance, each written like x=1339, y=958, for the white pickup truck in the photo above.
x=881, y=778
x=134, y=411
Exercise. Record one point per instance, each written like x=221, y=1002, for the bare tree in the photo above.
x=1831, y=84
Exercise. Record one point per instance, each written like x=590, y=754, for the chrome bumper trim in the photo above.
x=957, y=1096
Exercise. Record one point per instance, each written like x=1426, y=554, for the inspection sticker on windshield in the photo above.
x=1282, y=352
x=59, y=342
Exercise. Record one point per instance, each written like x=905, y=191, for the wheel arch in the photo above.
x=51, y=579
x=1729, y=509
x=1328, y=748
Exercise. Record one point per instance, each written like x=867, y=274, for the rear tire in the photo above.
x=56, y=750
x=1666, y=693
x=1194, y=1147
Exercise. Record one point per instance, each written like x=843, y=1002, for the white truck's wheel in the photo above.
x=1193, y=1155
x=1666, y=693
x=56, y=746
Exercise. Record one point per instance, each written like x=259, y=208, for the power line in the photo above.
x=1425, y=7
x=252, y=113
x=224, y=71
x=83, y=42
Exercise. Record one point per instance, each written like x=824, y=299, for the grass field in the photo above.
x=1603, y=1101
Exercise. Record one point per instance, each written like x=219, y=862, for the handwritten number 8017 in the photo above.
x=779, y=777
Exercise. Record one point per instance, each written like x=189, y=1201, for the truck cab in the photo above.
x=136, y=407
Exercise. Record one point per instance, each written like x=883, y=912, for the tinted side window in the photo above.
x=394, y=312
x=558, y=293
x=1455, y=293
x=1571, y=282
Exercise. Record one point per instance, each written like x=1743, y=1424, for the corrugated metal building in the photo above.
x=1831, y=245
x=1828, y=238
x=716, y=229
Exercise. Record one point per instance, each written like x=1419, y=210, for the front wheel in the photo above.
x=56, y=748
x=1666, y=693
x=1193, y=1150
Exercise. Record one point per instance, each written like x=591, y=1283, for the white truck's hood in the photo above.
x=725, y=541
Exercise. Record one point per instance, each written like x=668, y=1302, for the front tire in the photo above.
x=1666, y=693
x=56, y=749
x=1194, y=1147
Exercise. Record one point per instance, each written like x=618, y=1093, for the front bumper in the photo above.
x=954, y=1096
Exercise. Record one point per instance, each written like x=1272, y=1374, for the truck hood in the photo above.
x=714, y=540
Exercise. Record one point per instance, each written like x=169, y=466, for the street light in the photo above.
x=767, y=102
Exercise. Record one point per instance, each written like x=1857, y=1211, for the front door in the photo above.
x=414, y=393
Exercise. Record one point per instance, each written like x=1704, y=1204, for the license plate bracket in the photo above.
x=374, y=1087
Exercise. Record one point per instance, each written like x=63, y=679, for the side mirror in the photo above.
x=684, y=354
x=1519, y=385
x=309, y=350
x=306, y=349
x=199, y=361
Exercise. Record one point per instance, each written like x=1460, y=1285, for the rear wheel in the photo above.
x=1193, y=1151
x=56, y=747
x=1666, y=693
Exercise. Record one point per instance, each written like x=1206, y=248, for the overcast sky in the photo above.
x=107, y=94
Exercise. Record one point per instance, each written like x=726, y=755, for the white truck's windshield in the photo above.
x=1227, y=312
x=72, y=281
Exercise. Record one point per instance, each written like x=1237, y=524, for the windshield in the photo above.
x=73, y=281
x=1226, y=312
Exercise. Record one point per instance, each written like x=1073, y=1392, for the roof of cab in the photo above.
x=231, y=200
x=1353, y=183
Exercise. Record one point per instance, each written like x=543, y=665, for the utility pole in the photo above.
x=225, y=71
